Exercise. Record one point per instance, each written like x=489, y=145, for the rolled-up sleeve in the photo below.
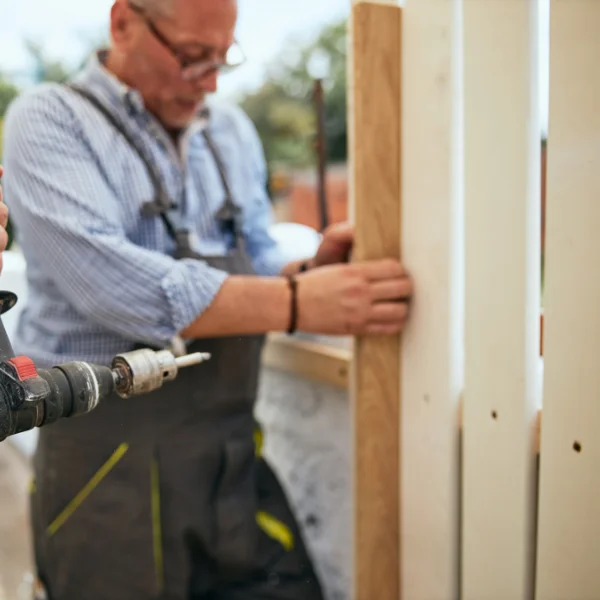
x=67, y=218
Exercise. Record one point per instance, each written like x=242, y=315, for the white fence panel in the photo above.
x=569, y=526
x=432, y=349
x=502, y=246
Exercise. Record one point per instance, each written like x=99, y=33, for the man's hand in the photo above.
x=3, y=223
x=356, y=299
x=370, y=297
x=336, y=245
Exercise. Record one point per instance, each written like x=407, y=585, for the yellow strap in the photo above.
x=275, y=529
x=32, y=486
x=87, y=490
x=258, y=442
x=156, y=525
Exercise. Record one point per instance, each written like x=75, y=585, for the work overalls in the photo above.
x=166, y=495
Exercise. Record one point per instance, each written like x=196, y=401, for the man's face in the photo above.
x=154, y=48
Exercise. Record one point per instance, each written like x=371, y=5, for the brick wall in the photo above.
x=299, y=204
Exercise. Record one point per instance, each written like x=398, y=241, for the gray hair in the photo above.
x=154, y=7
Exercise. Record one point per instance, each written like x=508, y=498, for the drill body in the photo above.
x=35, y=398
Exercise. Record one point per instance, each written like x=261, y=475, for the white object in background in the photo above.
x=295, y=241
x=14, y=279
x=25, y=442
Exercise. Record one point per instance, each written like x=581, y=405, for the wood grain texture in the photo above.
x=569, y=498
x=311, y=360
x=376, y=179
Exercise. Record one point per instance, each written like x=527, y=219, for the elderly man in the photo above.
x=141, y=210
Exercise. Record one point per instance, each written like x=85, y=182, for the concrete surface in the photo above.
x=308, y=442
x=15, y=545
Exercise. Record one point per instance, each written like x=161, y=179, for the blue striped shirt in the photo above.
x=99, y=274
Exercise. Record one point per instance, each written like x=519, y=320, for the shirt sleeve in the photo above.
x=67, y=219
x=264, y=251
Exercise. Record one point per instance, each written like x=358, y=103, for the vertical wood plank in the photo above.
x=569, y=527
x=376, y=370
x=432, y=345
x=502, y=298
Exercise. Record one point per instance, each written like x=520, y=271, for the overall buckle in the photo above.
x=183, y=239
x=162, y=203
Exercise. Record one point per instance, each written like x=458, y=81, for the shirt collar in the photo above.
x=96, y=77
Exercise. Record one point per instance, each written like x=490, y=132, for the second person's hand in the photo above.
x=336, y=246
x=370, y=297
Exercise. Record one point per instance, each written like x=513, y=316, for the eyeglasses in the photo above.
x=194, y=68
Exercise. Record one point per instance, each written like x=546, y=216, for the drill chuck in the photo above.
x=30, y=398
x=145, y=370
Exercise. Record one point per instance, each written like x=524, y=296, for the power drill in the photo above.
x=35, y=398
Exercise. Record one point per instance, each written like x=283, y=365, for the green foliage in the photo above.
x=285, y=124
x=45, y=68
x=8, y=92
x=283, y=109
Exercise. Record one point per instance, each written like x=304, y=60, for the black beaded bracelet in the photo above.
x=293, y=304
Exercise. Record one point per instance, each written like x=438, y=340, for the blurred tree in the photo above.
x=8, y=92
x=283, y=108
x=284, y=123
x=46, y=69
x=326, y=58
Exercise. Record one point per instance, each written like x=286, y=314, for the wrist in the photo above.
x=293, y=304
x=307, y=265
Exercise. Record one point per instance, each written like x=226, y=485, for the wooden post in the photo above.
x=502, y=302
x=376, y=180
x=568, y=526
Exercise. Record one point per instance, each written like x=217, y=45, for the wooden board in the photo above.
x=569, y=526
x=375, y=151
x=310, y=360
x=502, y=298
x=432, y=345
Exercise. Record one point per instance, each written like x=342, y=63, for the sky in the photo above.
x=264, y=29
x=62, y=26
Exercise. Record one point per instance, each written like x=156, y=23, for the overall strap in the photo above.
x=228, y=213
x=162, y=202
